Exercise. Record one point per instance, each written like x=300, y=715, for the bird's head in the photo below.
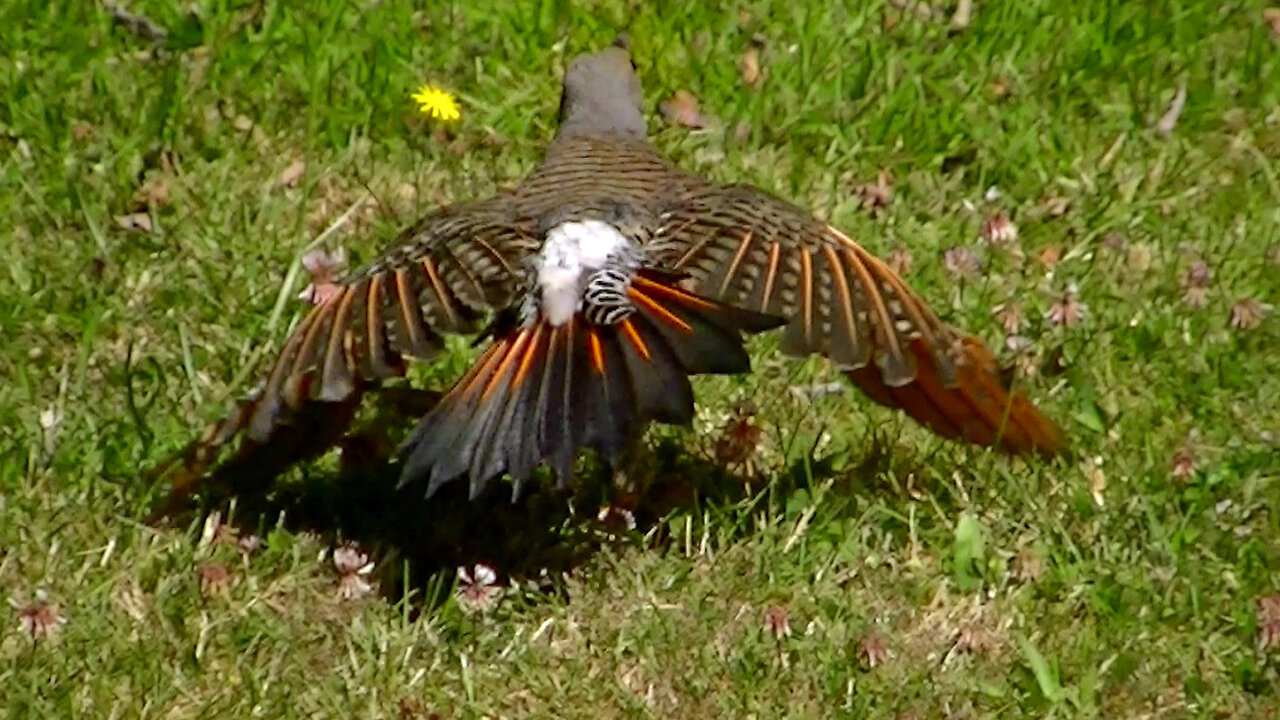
x=602, y=94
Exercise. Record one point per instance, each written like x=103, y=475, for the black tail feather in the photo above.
x=540, y=394
x=659, y=378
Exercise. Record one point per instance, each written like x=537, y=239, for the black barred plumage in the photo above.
x=605, y=301
x=610, y=276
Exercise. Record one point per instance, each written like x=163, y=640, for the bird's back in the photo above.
x=603, y=178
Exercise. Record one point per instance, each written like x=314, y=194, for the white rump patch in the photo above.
x=572, y=251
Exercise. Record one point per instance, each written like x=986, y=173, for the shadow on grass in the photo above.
x=419, y=542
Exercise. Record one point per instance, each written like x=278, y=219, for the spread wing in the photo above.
x=748, y=249
x=443, y=275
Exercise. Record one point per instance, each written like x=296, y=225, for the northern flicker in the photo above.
x=607, y=278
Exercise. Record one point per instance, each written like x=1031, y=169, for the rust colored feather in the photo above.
x=977, y=408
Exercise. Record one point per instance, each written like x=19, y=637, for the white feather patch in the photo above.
x=572, y=251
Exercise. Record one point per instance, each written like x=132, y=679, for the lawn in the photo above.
x=156, y=196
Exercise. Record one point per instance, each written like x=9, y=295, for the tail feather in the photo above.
x=610, y=398
x=454, y=449
x=702, y=332
x=539, y=394
x=557, y=432
x=523, y=418
x=973, y=404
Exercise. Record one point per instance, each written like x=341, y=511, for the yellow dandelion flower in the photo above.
x=437, y=103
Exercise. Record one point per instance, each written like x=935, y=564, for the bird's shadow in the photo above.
x=533, y=539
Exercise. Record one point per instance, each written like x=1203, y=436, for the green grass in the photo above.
x=999, y=588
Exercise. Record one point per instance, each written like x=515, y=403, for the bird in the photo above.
x=597, y=287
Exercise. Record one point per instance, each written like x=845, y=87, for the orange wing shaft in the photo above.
x=541, y=393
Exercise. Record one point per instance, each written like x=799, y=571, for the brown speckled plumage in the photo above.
x=734, y=245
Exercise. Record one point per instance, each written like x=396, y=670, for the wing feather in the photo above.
x=392, y=311
x=738, y=244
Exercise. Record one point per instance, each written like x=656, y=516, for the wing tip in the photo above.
x=973, y=406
